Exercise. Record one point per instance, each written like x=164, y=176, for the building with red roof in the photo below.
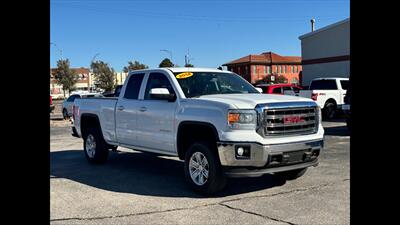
x=256, y=67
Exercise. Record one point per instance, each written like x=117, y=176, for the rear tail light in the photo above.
x=51, y=100
x=314, y=96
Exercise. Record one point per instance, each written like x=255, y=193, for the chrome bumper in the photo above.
x=262, y=155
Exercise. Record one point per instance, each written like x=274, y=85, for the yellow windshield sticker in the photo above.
x=184, y=75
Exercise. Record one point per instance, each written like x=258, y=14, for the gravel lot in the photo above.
x=138, y=188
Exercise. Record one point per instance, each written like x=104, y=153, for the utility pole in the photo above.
x=52, y=43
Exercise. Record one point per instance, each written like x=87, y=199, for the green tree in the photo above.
x=65, y=76
x=134, y=66
x=166, y=63
x=104, y=75
x=189, y=65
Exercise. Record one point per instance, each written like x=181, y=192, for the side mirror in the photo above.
x=162, y=94
x=259, y=89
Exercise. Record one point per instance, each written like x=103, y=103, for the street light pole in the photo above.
x=170, y=53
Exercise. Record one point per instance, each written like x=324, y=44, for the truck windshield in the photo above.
x=195, y=84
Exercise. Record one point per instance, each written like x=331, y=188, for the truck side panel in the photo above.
x=104, y=109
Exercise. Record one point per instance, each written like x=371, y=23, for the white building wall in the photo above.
x=329, y=41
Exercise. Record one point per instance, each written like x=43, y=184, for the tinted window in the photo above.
x=119, y=88
x=71, y=98
x=296, y=89
x=344, y=84
x=133, y=86
x=211, y=83
x=277, y=90
x=264, y=88
x=287, y=88
x=157, y=80
x=323, y=85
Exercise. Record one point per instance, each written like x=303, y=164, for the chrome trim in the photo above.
x=242, y=172
x=259, y=153
x=262, y=109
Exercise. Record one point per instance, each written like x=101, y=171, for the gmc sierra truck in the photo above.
x=217, y=122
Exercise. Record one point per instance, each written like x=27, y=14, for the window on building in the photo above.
x=254, y=69
x=265, y=69
x=284, y=69
x=269, y=69
x=280, y=69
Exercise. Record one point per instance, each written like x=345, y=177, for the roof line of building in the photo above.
x=324, y=28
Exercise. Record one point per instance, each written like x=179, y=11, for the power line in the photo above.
x=179, y=16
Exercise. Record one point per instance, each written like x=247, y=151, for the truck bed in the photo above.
x=104, y=109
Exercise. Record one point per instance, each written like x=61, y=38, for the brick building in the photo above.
x=83, y=83
x=256, y=67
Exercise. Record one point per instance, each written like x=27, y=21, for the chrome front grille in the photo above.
x=292, y=119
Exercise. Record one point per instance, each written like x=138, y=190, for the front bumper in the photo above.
x=268, y=158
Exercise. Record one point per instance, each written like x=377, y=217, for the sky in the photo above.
x=213, y=32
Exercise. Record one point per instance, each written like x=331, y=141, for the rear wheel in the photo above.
x=329, y=110
x=291, y=174
x=203, y=170
x=95, y=148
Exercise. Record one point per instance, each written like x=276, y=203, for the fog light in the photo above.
x=240, y=151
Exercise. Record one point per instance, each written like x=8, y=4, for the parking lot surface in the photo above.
x=139, y=188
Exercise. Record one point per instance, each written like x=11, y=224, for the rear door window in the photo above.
x=344, y=84
x=323, y=85
x=133, y=86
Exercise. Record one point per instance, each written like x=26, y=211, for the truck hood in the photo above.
x=249, y=101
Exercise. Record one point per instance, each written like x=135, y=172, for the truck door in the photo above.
x=156, y=118
x=126, y=111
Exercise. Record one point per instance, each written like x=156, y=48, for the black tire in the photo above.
x=101, y=147
x=216, y=180
x=113, y=147
x=65, y=114
x=291, y=174
x=329, y=111
x=348, y=123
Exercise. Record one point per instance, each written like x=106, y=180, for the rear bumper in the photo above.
x=268, y=158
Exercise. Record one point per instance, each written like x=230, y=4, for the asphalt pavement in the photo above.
x=139, y=188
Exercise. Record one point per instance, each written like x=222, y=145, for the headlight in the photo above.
x=319, y=114
x=242, y=119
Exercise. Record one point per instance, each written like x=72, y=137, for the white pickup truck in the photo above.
x=328, y=93
x=214, y=120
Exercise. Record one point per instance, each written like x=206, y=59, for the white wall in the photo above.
x=330, y=41
x=333, y=69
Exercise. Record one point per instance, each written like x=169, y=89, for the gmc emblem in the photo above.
x=293, y=119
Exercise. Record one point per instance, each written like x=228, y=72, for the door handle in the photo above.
x=142, y=109
x=121, y=107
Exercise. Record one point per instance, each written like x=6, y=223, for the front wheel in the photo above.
x=291, y=174
x=203, y=170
